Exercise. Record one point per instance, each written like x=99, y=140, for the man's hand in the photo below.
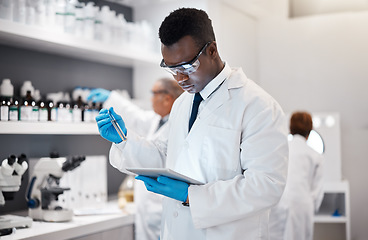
x=98, y=95
x=166, y=186
x=106, y=128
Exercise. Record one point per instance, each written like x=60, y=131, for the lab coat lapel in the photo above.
x=217, y=100
x=219, y=97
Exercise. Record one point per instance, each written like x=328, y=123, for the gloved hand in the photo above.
x=106, y=128
x=98, y=95
x=166, y=186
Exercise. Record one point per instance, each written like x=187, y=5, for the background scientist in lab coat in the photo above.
x=149, y=124
x=292, y=218
x=237, y=145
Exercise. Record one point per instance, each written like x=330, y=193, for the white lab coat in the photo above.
x=148, y=204
x=237, y=146
x=292, y=217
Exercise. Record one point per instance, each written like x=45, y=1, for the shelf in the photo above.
x=38, y=39
x=329, y=219
x=336, y=187
x=48, y=128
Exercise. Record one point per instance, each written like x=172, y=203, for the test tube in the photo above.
x=117, y=127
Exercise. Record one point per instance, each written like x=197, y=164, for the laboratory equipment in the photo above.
x=11, y=171
x=6, y=88
x=117, y=127
x=44, y=189
x=126, y=191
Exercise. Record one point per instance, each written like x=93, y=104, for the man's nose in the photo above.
x=180, y=77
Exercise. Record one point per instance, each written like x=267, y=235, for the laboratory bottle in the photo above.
x=87, y=110
x=98, y=27
x=126, y=191
x=30, y=14
x=64, y=112
x=35, y=110
x=95, y=111
x=79, y=19
x=105, y=16
x=89, y=21
x=6, y=9
x=77, y=110
x=69, y=20
x=60, y=12
x=4, y=108
x=14, y=109
x=43, y=111
x=25, y=109
x=52, y=111
x=19, y=11
x=40, y=13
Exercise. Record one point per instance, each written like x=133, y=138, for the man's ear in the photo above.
x=212, y=49
x=169, y=99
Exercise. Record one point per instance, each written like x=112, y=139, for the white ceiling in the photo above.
x=314, y=7
x=265, y=8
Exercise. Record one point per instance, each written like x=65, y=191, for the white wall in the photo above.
x=320, y=64
x=236, y=37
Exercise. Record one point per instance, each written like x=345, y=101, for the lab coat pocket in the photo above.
x=221, y=151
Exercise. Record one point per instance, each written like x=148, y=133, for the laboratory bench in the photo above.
x=99, y=226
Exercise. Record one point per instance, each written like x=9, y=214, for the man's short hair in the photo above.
x=186, y=22
x=171, y=86
x=301, y=123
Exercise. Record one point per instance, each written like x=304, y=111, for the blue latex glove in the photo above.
x=106, y=128
x=166, y=186
x=98, y=95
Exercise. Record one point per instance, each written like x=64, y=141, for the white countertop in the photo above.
x=78, y=226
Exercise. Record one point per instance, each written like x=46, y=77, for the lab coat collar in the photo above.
x=238, y=80
x=214, y=83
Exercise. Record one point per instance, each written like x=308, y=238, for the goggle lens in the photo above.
x=184, y=69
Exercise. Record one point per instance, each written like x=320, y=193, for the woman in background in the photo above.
x=292, y=217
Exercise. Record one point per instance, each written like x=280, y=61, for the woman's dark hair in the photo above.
x=301, y=123
x=186, y=21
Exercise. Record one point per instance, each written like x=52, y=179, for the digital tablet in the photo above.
x=155, y=172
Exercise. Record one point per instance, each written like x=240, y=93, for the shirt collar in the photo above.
x=165, y=118
x=214, y=83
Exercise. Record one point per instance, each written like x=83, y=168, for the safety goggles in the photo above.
x=187, y=67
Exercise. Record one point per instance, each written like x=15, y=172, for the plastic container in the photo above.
x=52, y=114
x=43, y=111
x=14, y=110
x=6, y=9
x=27, y=86
x=79, y=19
x=60, y=12
x=4, y=108
x=19, y=11
x=78, y=110
x=26, y=108
x=6, y=88
x=89, y=21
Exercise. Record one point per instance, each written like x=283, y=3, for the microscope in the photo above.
x=44, y=189
x=11, y=171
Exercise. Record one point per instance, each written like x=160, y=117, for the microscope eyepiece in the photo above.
x=22, y=158
x=11, y=159
x=72, y=163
